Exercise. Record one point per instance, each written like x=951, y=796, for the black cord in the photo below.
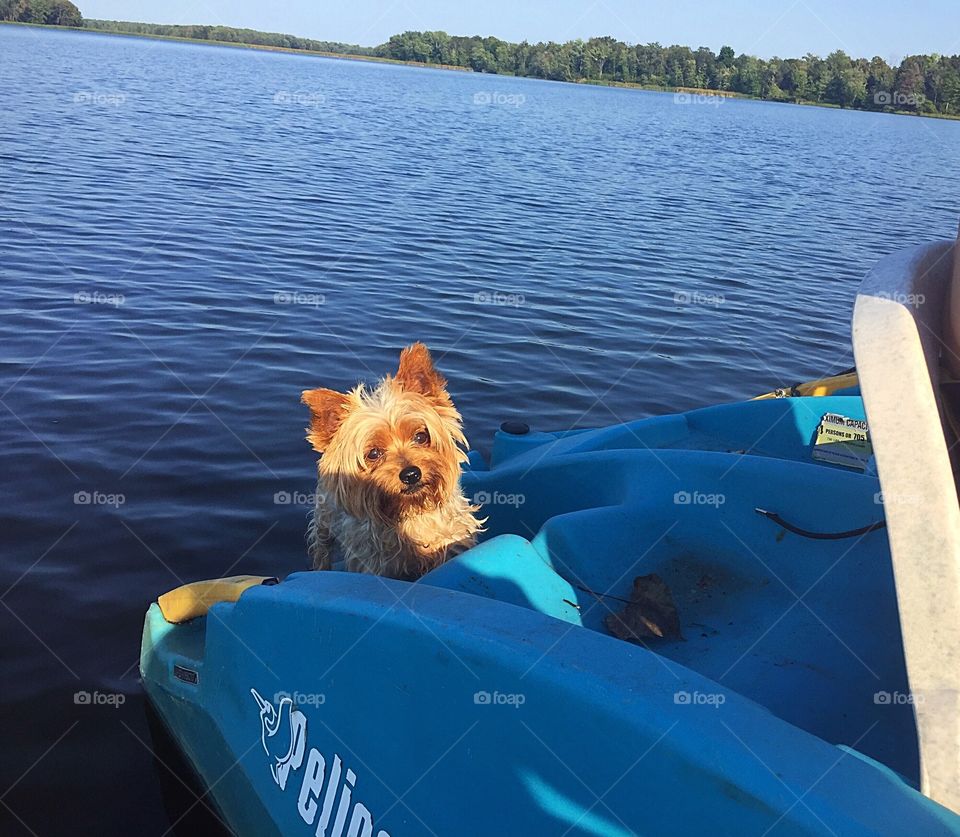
x=820, y=536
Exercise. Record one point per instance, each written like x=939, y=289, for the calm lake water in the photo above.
x=191, y=235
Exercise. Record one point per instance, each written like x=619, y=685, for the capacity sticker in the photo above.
x=843, y=441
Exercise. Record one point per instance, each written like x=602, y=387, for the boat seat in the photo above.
x=509, y=569
x=190, y=601
x=905, y=324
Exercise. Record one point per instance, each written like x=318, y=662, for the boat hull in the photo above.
x=488, y=698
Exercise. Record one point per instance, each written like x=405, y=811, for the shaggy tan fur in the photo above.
x=368, y=438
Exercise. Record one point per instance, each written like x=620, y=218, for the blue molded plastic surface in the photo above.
x=490, y=698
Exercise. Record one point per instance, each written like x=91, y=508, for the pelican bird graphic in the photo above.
x=282, y=734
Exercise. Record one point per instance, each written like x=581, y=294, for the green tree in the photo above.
x=910, y=83
x=706, y=68
x=625, y=63
x=747, y=77
x=950, y=100
x=836, y=64
x=726, y=57
x=48, y=12
x=576, y=59
x=522, y=59
x=12, y=9
x=817, y=78
x=853, y=87
x=650, y=64
x=599, y=56
x=482, y=61
x=880, y=82
x=681, y=67
x=793, y=80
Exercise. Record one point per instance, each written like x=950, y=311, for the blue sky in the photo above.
x=888, y=28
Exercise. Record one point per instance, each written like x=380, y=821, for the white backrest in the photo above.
x=898, y=337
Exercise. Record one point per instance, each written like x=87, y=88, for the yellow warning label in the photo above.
x=843, y=441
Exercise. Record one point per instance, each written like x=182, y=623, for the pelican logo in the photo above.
x=284, y=737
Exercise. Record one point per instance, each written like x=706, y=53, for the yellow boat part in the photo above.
x=193, y=600
x=821, y=386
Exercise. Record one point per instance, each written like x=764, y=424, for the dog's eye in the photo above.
x=421, y=438
x=374, y=453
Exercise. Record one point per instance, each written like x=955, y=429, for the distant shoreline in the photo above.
x=263, y=47
x=377, y=59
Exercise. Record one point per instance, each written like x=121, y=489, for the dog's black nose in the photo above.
x=411, y=475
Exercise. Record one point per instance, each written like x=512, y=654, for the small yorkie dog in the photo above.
x=389, y=500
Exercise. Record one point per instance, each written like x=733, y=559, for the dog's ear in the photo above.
x=416, y=373
x=327, y=412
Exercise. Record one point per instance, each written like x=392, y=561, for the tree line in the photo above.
x=927, y=84
x=924, y=84
x=49, y=12
x=228, y=34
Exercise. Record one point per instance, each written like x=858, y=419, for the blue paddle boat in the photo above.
x=809, y=544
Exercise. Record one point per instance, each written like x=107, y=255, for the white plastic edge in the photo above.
x=897, y=331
